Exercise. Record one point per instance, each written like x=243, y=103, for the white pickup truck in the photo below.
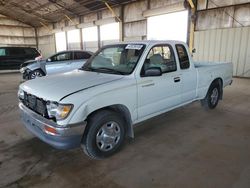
x=123, y=84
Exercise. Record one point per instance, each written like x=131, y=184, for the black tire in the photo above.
x=36, y=73
x=96, y=125
x=213, y=96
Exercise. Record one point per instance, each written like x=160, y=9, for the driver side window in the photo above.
x=161, y=56
x=62, y=57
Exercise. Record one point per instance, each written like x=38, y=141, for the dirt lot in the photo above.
x=187, y=148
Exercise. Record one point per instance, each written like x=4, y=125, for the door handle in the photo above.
x=148, y=85
x=177, y=79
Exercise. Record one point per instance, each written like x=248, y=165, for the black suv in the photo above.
x=12, y=57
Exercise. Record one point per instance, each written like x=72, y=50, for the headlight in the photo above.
x=58, y=111
x=20, y=94
x=22, y=70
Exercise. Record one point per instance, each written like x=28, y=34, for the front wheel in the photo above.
x=105, y=134
x=212, y=98
x=36, y=73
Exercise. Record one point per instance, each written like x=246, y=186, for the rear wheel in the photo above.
x=212, y=98
x=105, y=134
x=36, y=73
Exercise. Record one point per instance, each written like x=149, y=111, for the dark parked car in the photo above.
x=12, y=57
x=60, y=62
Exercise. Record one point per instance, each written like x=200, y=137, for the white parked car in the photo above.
x=121, y=85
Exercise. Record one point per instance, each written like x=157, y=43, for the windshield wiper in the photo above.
x=86, y=69
x=106, y=69
x=102, y=69
x=109, y=70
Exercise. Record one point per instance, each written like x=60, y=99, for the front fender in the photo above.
x=120, y=93
x=37, y=65
x=90, y=102
x=84, y=111
x=33, y=66
x=91, y=106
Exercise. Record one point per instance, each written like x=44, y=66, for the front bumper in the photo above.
x=65, y=138
x=25, y=73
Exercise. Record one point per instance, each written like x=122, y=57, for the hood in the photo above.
x=32, y=63
x=26, y=63
x=56, y=87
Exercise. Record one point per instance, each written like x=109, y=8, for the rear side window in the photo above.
x=30, y=51
x=2, y=52
x=183, y=56
x=81, y=55
x=16, y=51
x=62, y=57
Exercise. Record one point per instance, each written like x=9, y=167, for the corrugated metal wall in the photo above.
x=15, y=33
x=230, y=45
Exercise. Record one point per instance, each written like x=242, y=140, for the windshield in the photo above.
x=115, y=59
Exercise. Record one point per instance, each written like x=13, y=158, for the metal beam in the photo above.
x=44, y=25
x=41, y=6
x=99, y=30
x=67, y=43
x=191, y=4
x=36, y=38
x=70, y=19
x=112, y=11
x=17, y=19
x=30, y=13
x=63, y=7
x=192, y=25
x=191, y=32
x=121, y=24
x=81, y=42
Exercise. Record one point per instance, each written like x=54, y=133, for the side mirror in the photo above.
x=153, y=71
x=194, y=51
x=48, y=60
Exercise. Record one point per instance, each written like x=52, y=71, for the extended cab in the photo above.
x=122, y=84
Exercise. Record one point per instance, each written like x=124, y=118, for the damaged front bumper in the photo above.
x=25, y=72
x=61, y=137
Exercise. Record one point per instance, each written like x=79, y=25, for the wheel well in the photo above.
x=219, y=81
x=125, y=114
x=39, y=70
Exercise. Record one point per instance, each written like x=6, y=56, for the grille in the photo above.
x=36, y=104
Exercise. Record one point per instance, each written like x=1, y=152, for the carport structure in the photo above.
x=209, y=24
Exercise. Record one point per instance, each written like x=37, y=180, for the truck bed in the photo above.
x=207, y=71
x=199, y=64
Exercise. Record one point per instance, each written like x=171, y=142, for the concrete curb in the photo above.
x=9, y=71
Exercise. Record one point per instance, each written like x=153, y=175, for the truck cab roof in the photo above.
x=153, y=42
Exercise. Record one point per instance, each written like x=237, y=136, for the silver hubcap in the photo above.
x=35, y=74
x=214, y=96
x=108, y=136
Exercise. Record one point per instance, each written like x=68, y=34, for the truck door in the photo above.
x=159, y=93
x=188, y=74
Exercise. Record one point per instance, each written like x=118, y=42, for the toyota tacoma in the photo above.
x=97, y=106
